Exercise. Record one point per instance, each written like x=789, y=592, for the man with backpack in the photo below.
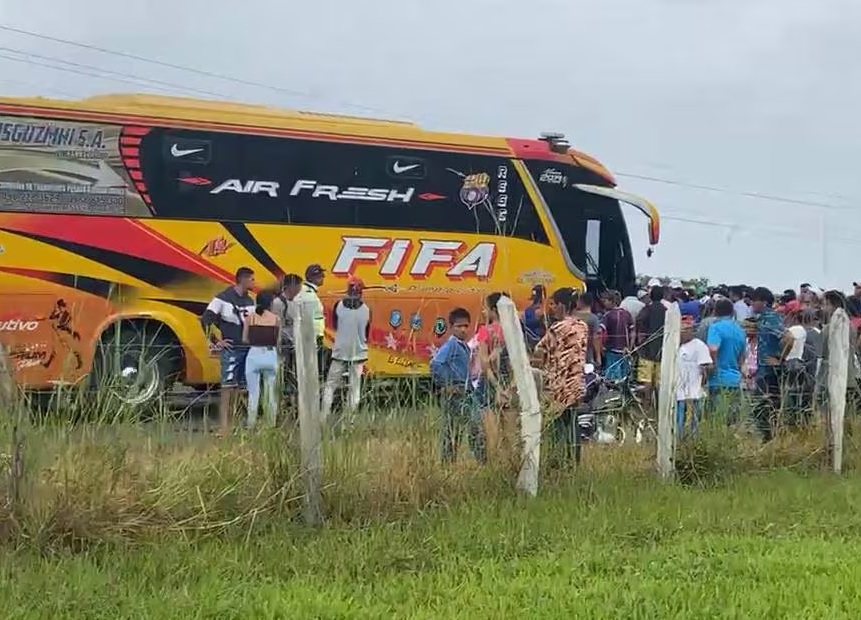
x=351, y=320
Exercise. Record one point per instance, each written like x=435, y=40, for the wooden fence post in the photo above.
x=8, y=390
x=527, y=396
x=667, y=393
x=12, y=407
x=839, y=350
x=310, y=424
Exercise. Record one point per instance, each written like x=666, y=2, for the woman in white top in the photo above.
x=794, y=341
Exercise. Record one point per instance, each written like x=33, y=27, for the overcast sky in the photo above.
x=745, y=96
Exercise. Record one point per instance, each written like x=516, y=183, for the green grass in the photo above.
x=775, y=545
x=108, y=518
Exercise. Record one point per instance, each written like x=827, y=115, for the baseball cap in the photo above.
x=674, y=284
x=654, y=282
x=314, y=270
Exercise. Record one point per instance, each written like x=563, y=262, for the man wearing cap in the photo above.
x=688, y=305
x=351, y=320
x=810, y=297
x=671, y=292
x=633, y=301
x=314, y=276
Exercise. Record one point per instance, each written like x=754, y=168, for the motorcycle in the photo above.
x=619, y=403
x=596, y=419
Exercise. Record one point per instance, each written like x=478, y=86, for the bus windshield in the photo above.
x=590, y=223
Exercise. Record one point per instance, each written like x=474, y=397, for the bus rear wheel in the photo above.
x=137, y=364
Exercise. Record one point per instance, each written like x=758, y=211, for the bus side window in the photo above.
x=593, y=247
x=454, y=193
x=447, y=192
x=523, y=221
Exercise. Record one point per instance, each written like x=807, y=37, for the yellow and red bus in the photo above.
x=125, y=214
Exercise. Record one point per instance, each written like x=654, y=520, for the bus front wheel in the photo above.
x=137, y=363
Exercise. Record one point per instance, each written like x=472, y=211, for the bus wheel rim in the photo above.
x=140, y=382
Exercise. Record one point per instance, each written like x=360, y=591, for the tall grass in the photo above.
x=90, y=471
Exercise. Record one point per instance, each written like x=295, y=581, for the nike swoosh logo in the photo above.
x=178, y=152
x=398, y=168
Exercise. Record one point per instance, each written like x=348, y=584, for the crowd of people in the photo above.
x=735, y=340
x=255, y=342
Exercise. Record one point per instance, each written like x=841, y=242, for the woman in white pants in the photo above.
x=260, y=331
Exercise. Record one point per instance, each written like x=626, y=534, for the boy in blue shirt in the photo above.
x=727, y=345
x=450, y=373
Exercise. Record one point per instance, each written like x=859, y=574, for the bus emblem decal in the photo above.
x=395, y=318
x=475, y=189
x=415, y=321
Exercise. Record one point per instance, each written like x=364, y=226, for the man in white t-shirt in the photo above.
x=633, y=303
x=741, y=310
x=794, y=342
x=670, y=292
x=695, y=362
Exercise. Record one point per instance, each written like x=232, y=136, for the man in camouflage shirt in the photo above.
x=562, y=351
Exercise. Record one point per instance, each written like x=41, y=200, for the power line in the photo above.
x=168, y=85
x=745, y=194
x=76, y=71
x=34, y=85
x=169, y=65
x=307, y=95
x=727, y=225
x=668, y=169
x=732, y=226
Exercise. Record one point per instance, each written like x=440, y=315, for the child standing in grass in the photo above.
x=450, y=369
x=695, y=363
